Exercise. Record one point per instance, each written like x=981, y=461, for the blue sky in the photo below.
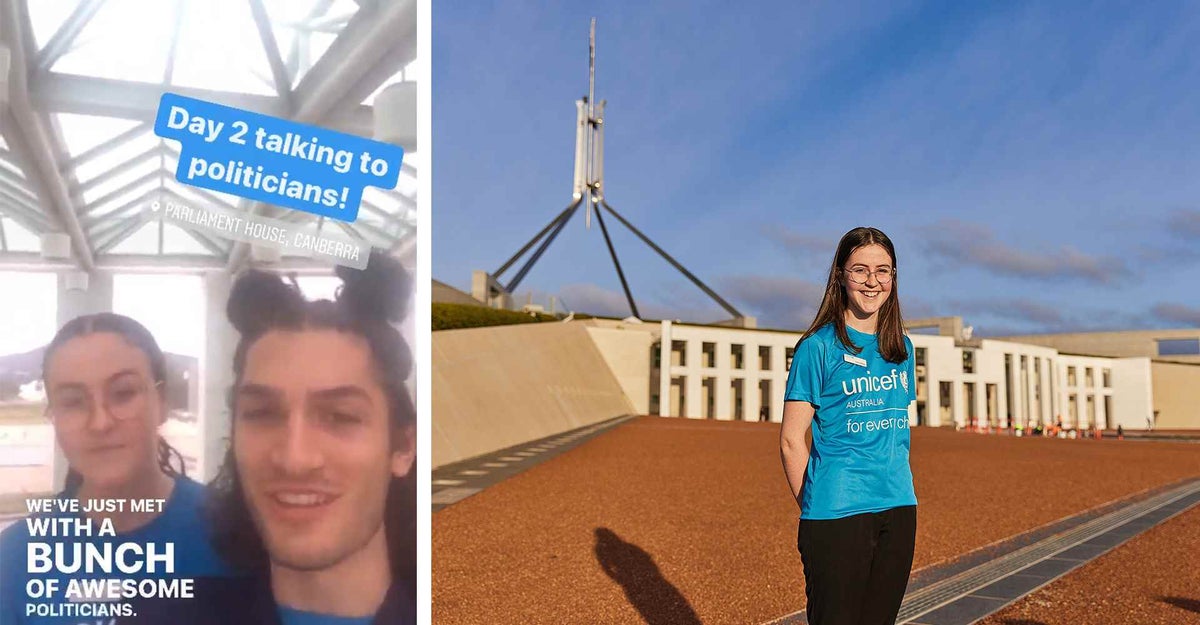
x=1036, y=164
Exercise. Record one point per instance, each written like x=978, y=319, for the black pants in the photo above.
x=856, y=568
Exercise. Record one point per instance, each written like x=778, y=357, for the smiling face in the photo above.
x=314, y=447
x=105, y=409
x=863, y=301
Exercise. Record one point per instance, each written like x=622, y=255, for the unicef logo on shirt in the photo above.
x=874, y=383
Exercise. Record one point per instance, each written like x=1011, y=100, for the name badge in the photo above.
x=854, y=360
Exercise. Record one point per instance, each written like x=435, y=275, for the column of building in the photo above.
x=664, y=371
x=1047, y=404
x=776, y=382
x=751, y=405
x=693, y=387
x=724, y=379
x=1014, y=382
x=216, y=373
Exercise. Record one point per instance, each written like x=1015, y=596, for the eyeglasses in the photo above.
x=860, y=275
x=122, y=399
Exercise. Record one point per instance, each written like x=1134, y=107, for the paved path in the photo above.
x=454, y=482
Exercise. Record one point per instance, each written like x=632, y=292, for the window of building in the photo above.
x=738, y=352
x=678, y=353
x=1071, y=377
x=678, y=398
x=656, y=356
x=764, y=357
x=1179, y=347
x=922, y=378
x=1037, y=386
x=708, y=355
x=945, y=413
x=969, y=400
x=968, y=361
x=1089, y=375
x=764, y=399
x=920, y=356
x=1025, y=385
x=1106, y=375
x=788, y=353
x=736, y=389
x=708, y=395
x=1010, y=405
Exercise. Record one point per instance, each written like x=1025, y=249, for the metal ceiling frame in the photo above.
x=108, y=146
x=376, y=42
x=367, y=41
x=29, y=139
x=60, y=43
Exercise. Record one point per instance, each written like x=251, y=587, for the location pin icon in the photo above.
x=154, y=206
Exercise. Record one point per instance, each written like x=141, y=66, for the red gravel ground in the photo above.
x=667, y=520
x=1152, y=579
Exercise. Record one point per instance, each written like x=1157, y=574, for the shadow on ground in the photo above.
x=656, y=599
x=1191, y=605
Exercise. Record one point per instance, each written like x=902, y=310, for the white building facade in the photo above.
x=724, y=373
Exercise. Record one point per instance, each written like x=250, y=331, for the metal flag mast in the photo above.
x=588, y=190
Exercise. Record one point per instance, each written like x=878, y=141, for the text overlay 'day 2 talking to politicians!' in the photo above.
x=274, y=161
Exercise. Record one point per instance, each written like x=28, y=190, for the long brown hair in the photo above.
x=890, y=329
x=367, y=303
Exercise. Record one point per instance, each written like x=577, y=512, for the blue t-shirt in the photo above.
x=181, y=522
x=288, y=616
x=859, y=459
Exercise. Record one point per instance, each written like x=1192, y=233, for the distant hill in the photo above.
x=18, y=369
x=28, y=362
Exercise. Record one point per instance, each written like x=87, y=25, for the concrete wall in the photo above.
x=1133, y=393
x=442, y=292
x=627, y=348
x=1176, y=396
x=498, y=387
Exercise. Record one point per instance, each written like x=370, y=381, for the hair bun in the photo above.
x=381, y=291
x=260, y=299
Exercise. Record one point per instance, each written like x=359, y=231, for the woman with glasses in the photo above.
x=105, y=380
x=851, y=382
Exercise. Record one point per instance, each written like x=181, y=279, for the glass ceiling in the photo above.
x=95, y=70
